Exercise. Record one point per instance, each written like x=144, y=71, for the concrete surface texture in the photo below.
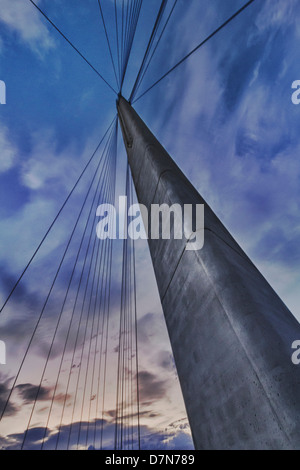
x=230, y=333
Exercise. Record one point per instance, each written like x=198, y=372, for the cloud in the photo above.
x=81, y=435
x=47, y=175
x=151, y=387
x=166, y=360
x=67, y=436
x=11, y=409
x=175, y=436
x=53, y=164
x=17, y=232
x=150, y=328
x=48, y=168
x=276, y=14
x=8, y=152
x=21, y=17
x=29, y=392
x=23, y=298
x=34, y=438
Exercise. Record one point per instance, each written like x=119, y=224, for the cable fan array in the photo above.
x=77, y=345
x=127, y=427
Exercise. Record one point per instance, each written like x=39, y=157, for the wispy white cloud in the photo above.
x=8, y=152
x=21, y=17
x=46, y=166
x=276, y=14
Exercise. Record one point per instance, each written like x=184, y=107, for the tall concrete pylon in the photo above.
x=230, y=333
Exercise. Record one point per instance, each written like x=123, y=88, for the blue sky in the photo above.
x=225, y=116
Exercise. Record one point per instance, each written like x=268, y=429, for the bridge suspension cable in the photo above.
x=72, y=45
x=155, y=48
x=150, y=42
x=108, y=41
x=216, y=31
x=127, y=432
x=105, y=167
x=55, y=218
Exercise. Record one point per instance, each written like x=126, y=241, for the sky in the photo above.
x=225, y=116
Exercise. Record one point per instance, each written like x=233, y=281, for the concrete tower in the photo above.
x=230, y=333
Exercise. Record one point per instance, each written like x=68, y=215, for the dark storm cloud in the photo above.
x=145, y=414
x=66, y=435
x=29, y=392
x=85, y=433
x=70, y=438
x=151, y=387
x=21, y=314
x=33, y=440
x=11, y=409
